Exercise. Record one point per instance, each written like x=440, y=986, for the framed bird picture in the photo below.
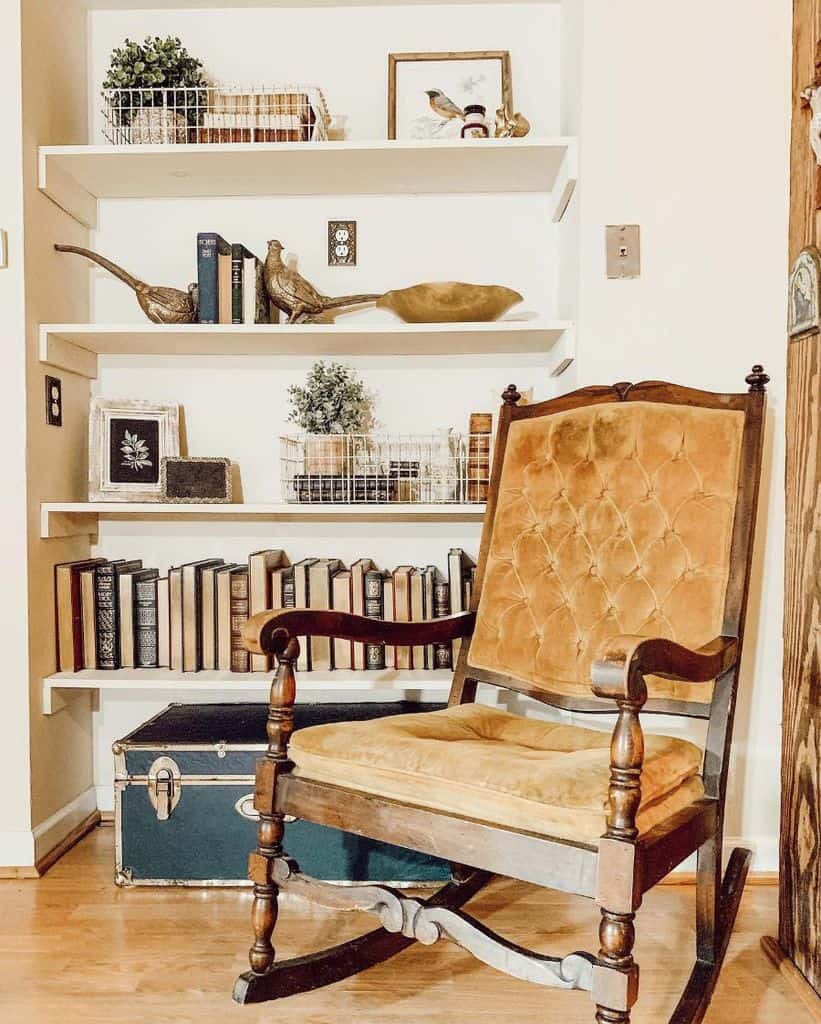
x=428, y=92
x=127, y=440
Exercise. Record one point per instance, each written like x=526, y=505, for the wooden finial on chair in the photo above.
x=510, y=396
x=758, y=379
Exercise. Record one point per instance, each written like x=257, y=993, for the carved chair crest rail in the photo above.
x=612, y=578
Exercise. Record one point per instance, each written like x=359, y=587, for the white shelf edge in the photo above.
x=165, y=681
x=69, y=519
x=62, y=169
x=77, y=347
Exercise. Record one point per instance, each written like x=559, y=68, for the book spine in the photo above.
x=239, y=616
x=207, y=278
x=108, y=646
x=237, y=255
x=478, y=468
x=441, y=608
x=145, y=624
x=374, y=609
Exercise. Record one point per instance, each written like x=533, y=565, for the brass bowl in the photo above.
x=449, y=302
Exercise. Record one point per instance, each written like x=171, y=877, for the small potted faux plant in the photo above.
x=154, y=90
x=333, y=403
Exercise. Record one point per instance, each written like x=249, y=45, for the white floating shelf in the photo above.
x=72, y=518
x=178, y=684
x=75, y=347
x=75, y=177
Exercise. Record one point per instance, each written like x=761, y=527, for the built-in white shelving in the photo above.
x=72, y=518
x=75, y=177
x=75, y=347
x=163, y=681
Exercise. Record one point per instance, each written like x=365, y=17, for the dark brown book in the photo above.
x=402, y=609
x=240, y=658
x=260, y=566
x=377, y=584
x=68, y=610
x=441, y=609
x=358, y=570
x=478, y=468
x=223, y=612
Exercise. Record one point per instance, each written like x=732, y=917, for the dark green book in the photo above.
x=209, y=245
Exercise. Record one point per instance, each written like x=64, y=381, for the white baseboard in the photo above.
x=53, y=830
x=17, y=848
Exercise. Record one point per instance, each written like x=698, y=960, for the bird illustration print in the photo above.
x=443, y=106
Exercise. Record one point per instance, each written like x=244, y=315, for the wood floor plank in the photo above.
x=76, y=950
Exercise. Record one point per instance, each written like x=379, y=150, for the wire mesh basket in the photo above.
x=214, y=114
x=380, y=469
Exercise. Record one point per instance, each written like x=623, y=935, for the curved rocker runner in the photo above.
x=612, y=578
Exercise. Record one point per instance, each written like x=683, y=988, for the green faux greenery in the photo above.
x=152, y=64
x=162, y=69
x=333, y=401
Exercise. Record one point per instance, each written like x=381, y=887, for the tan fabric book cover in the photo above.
x=358, y=570
x=320, y=597
x=163, y=623
x=417, y=613
x=89, y=618
x=125, y=585
x=260, y=566
x=342, y=650
x=302, y=600
x=208, y=616
x=402, y=609
x=224, y=287
x=175, y=618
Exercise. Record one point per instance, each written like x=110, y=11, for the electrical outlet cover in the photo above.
x=54, y=401
x=341, y=243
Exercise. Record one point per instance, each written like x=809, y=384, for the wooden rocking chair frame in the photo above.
x=616, y=873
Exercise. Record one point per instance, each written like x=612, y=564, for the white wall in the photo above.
x=685, y=131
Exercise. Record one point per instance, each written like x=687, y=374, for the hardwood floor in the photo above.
x=73, y=949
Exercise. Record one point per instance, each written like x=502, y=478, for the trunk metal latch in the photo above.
x=164, y=786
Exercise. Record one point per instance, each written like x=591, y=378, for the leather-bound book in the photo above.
x=478, y=468
x=223, y=628
x=358, y=570
x=145, y=618
x=375, y=584
x=239, y=616
x=441, y=609
x=106, y=599
x=68, y=606
x=192, y=611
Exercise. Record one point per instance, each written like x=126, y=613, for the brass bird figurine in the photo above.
x=292, y=294
x=160, y=305
x=443, y=106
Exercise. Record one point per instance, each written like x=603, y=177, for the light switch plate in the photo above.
x=623, y=250
x=341, y=243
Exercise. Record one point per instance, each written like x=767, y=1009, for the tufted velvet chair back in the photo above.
x=623, y=510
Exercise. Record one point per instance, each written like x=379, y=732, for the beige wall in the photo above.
x=685, y=131
x=54, y=112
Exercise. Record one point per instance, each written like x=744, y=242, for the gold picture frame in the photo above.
x=505, y=109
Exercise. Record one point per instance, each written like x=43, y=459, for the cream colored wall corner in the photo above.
x=685, y=131
x=54, y=112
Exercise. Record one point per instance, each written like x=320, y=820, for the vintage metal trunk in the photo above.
x=183, y=802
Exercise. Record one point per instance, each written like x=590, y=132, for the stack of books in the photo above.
x=115, y=614
x=230, y=283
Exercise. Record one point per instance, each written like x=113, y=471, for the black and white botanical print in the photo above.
x=133, y=453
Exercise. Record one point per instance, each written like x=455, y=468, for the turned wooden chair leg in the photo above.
x=271, y=827
x=617, y=936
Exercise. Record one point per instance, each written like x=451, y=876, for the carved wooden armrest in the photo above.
x=618, y=674
x=272, y=632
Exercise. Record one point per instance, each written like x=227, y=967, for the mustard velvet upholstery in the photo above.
x=613, y=518
x=481, y=762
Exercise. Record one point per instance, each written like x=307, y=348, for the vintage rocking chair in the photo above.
x=615, y=559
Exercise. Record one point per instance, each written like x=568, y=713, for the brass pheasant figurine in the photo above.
x=291, y=293
x=160, y=305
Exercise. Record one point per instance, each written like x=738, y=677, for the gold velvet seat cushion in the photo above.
x=480, y=762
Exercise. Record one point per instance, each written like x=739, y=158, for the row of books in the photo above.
x=230, y=283
x=119, y=614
